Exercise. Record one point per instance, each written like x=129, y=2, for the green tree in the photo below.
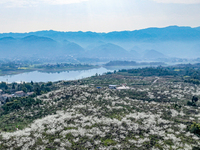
x=7, y=100
x=49, y=83
x=29, y=87
x=38, y=91
x=24, y=89
x=194, y=99
x=2, y=84
x=13, y=86
x=195, y=128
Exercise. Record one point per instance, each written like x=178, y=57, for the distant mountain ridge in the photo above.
x=33, y=38
x=131, y=63
x=166, y=33
x=173, y=41
x=108, y=50
x=153, y=54
x=36, y=46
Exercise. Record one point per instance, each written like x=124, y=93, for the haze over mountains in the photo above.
x=145, y=44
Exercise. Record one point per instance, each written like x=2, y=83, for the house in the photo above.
x=112, y=86
x=1, y=91
x=123, y=88
x=4, y=97
x=30, y=93
x=20, y=94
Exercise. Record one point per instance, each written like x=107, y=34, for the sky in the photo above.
x=96, y=15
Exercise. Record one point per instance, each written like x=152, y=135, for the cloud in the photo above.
x=22, y=3
x=179, y=1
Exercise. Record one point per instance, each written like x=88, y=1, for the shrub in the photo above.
x=195, y=128
x=189, y=103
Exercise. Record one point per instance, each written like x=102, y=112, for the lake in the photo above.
x=36, y=76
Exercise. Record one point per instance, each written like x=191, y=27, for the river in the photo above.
x=36, y=76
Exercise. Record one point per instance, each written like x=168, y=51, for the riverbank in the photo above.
x=40, y=76
x=46, y=68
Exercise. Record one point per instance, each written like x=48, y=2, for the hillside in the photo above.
x=150, y=113
x=35, y=46
x=108, y=50
x=132, y=63
x=71, y=48
x=153, y=54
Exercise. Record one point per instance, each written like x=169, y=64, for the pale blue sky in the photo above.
x=96, y=15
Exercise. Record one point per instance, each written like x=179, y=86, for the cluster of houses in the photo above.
x=4, y=97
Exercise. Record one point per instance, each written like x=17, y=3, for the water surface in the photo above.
x=36, y=76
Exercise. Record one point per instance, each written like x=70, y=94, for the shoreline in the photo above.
x=21, y=71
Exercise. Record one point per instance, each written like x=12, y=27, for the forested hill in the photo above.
x=132, y=63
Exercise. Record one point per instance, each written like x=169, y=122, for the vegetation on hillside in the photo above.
x=132, y=63
x=153, y=113
x=188, y=72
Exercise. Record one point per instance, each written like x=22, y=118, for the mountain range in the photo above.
x=172, y=41
x=149, y=34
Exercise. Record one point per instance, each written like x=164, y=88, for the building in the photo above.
x=20, y=94
x=112, y=86
x=30, y=93
x=4, y=97
x=122, y=88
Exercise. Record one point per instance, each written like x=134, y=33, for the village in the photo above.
x=4, y=97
